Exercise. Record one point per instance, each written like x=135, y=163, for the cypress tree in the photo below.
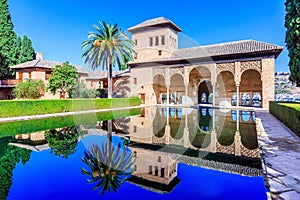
x=292, y=24
x=7, y=38
x=26, y=52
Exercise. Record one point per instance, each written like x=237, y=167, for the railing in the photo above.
x=10, y=82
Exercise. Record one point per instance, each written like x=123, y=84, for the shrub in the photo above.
x=31, y=89
x=288, y=113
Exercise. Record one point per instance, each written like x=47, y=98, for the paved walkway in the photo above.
x=281, y=152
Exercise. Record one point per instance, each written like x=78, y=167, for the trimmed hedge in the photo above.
x=288, y=113
x=30, y=126
x=14, y=108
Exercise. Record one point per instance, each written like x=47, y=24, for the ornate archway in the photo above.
x=159, y=87
x=198, y=75
x=204, y=92
x=250, y=84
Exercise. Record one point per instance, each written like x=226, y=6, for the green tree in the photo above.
x=292, y=24
x=31, y=89
x=63, y=142
x=25, y=51
x=7, y=39
x=3, y=67
x=63, y=77
x=106, y=47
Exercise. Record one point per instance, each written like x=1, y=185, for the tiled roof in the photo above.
x=222, y=50
x=48, y=64
x=230, y=48
x=154, y=22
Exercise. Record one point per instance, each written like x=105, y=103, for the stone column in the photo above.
x=167, y=128
x=237, y=95
x=268, y=81
x=237, y=80
x=186, y=92
x=213, y=143
x=168, y=94
x=186, y=132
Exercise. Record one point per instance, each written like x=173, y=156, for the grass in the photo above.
x=291, y=105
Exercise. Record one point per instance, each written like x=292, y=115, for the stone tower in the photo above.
x=155, y=39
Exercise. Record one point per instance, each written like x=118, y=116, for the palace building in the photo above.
x=240, y=72
x=233, y=73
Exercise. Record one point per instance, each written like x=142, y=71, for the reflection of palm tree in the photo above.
x=110, y=167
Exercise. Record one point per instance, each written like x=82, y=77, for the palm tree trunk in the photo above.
x=109, y=137
x=109, y=77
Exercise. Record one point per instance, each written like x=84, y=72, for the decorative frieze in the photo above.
x=176, y=70
x=225, y=67
x=255, y=65
x=157, y=71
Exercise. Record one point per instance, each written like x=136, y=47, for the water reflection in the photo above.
x=146, y=149
x=62, y=141
x=109, y=167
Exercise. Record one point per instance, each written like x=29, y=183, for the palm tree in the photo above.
x=106, y=47
x=109, y=167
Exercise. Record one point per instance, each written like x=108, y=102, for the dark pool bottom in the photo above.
x=47, y=176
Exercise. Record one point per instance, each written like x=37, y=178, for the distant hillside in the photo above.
x=285, y=90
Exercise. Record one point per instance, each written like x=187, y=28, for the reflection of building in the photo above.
x=204, y=133
x=33, y=141
x=154, y=170
x=205, y=130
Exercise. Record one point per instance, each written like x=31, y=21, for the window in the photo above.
x=135, y=81
x=159, y=52
x=156, y=41
x=150, y=169
x=162, y=40
x=29, y=75
x=135, y=42
x=156, y=171
x=159, y=158
x=134, y=129
x=135, y=56
x=162, y=172
x=48, y=74
x=150, y=41
x=135, y=168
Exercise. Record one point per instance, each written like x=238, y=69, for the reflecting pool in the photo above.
x=153, y=153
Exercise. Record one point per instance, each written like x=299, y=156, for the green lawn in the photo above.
x=292, y=105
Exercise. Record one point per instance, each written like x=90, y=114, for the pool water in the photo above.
x=173, y=152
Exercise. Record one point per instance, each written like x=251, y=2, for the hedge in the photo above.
x=30, y=126
x=14, y=108
x=288, y=113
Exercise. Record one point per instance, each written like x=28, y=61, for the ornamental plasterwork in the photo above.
x=156, y=71
x=221, y=67
x=256, y=65
x=176, y=70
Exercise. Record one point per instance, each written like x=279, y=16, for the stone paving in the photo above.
x=280, y=149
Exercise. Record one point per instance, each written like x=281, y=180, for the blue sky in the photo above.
x=58, y=27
